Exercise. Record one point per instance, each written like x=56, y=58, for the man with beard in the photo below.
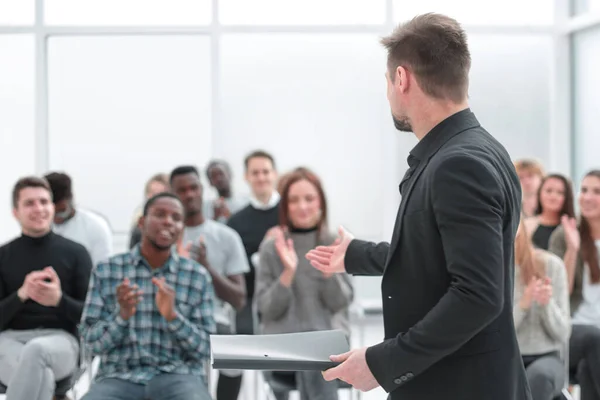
x=447, y=285
x=219, y=249
x=226, y=204
x=149, y=315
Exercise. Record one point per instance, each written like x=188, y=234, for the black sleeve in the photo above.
x=468, y=204
x=366, y=258
x=135, y=238
x=10, y=304
x=72, y=304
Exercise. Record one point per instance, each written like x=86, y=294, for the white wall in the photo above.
x=586, y=101
x=17, y=99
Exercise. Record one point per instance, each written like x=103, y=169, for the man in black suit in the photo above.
x=447, y=283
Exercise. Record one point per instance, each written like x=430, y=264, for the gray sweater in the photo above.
x=543, y=329
x=312, y=302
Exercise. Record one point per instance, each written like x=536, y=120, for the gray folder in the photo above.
x=303, y=351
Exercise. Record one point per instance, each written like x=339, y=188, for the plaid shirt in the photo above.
x=147, y=345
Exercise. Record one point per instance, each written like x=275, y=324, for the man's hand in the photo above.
x=330, y=259
x=29, y=284
x=353, y=370
x=45, y=288
x=128, y=297
x=165, y=299
x=221, y=209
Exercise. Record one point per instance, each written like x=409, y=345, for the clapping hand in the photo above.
x=44, y=288
x=285, y=250
x=128, y=297
x=544, y=292
x=572, y=236
x=165, y=299
x=221, y=209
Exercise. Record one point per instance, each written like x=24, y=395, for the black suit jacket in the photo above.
x=448, y=272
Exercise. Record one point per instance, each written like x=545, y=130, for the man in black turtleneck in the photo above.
x=43, y=283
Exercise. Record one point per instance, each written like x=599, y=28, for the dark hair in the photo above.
x=589, y=253
x=183, y=170
x=60, y=185
x=299, y=174
x=218, y=163
x=153, y=199
x=259, y=154
x=568, y=207
x=434, y=48
x=28, y=182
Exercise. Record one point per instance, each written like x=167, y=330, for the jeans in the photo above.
x=161, y=387
x=545, y=374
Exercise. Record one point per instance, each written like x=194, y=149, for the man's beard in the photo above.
x=402, y=124
x=159, y=247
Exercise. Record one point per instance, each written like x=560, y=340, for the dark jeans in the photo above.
x=545, y=374
x=161, y=387
x=584, y=359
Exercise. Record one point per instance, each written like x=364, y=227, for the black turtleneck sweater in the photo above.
x=252, y=225
x=25, y=254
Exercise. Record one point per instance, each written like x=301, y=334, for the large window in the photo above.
x=586, y=101
x=17, y=145
x=17, y=12
x=127, y=12
x=301, y=12
x=124, y=108
x=471, y=12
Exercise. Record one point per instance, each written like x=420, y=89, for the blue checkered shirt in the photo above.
x=147, y=345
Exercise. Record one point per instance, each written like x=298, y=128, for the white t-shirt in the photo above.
x=91, y=231
x=226, y=255
x=588, y=313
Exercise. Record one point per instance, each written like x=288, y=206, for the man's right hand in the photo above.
x=128, y=297
x=28, y=286
x=330, y=259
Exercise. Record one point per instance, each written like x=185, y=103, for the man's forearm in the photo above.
x=102, y=336
x=227, y=290
x=9, y=307
x=366, y=258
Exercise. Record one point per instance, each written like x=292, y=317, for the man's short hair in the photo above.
x=529, y=165
x=183, y=170
x=218, y=163
x=157, y=196
x=259, y=154
x=28, y=182
x=60, y=185
x=434, y=48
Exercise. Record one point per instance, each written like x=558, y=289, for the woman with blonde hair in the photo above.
x=541, y=315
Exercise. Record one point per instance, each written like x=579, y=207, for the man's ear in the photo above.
x=141, y=221
x=14, y=212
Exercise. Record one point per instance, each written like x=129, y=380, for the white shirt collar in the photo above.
x=270, y=204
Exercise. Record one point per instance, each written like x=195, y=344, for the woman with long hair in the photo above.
x=291, y=295
x=578, y=245
x=541, y=314
x=554, y=206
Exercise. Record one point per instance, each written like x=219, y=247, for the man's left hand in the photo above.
x=46, y=288
x=353, y=370
x=165, y=299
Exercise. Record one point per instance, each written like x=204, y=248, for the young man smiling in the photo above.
x=149, y=315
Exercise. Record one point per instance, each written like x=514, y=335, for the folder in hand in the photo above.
x=302, y=351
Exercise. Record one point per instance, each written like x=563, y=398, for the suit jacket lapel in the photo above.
x=398, y=225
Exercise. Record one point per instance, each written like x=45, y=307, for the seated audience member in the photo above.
x=530, y=174
x=219, y=249
x=149, y=315
x=76, y=223
x=555, y=206
x=541, y=314
x=43, y=284
x=226, y=204
x=291, y=295
x=578, y=247
x=156, y=184
x=254, y=221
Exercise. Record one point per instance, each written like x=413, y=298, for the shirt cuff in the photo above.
x=177, y=323
x=120, y=321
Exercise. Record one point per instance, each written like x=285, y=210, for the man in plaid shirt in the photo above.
x=149, y=314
